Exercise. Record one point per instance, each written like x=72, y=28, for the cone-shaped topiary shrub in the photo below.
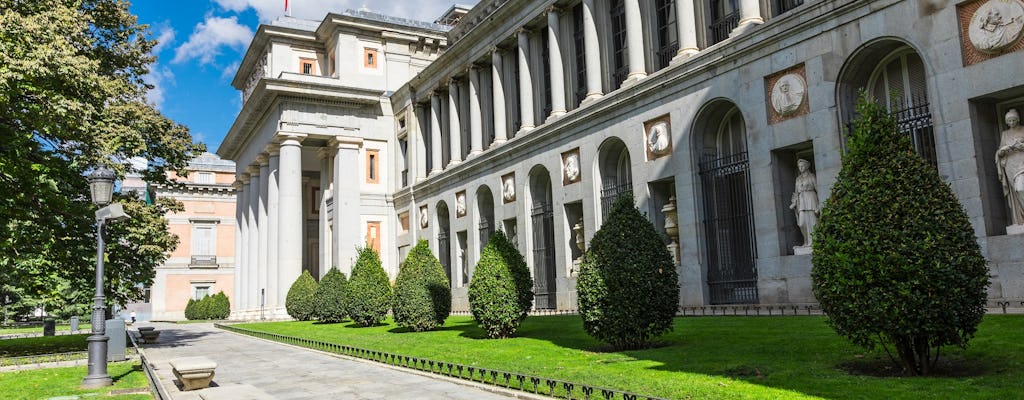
x=628, y=289
x=895, y=259
x=220, y=306
x=331, y=296
x=369, y=292
x=501, y=291
x=423, y=298
x=190, y=310
x=301, y=302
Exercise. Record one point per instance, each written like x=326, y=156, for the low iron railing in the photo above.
x=722, y=27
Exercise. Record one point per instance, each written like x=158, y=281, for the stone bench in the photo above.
x=149, y=334
x=234, y=392
x=193, y=372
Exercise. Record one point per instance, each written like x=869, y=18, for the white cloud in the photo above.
x=160, y=78
x=268, y=10
x=164, y=37
x=229, y=71
x=209, y=36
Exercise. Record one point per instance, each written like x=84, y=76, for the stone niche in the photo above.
x=785, y=171
x=663, y=213
x=572, y=170
x=988, y=116
x=575, y=232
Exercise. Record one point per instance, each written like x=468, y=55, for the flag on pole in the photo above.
x=286, y=11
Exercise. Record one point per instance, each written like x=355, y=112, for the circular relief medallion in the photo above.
x=788, y=94
x=508, y=189
x=572, y=167
x=657, y=138
x=996, y=25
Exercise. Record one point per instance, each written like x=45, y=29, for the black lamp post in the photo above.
x=101, y=184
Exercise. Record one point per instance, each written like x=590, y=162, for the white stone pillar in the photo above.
x=592, y=53
x=264, y=235
x=686, y=29
x=325, y=182
x=241, y=240
x=347, y=224
x=290, y=229
x=435, y=134
x=273, y=226
x=525, y=83
x=476, y=126
x=555, y=61
x=255, y=226
x=750, y=15
x=498, y=98
x=634, y=41
x=454, y=123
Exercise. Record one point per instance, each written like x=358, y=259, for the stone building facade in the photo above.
x=534, y=116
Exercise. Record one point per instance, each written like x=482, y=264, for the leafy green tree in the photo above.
x=370, y=295
x=895, y=258
x=423, y=298
x=301, y=301
x=190, y=310
x=628, y=289
x=72, y=96
x=501, y=291
x=331, y=297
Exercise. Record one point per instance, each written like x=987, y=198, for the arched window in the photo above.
x=542, y=223
x=485, y=215
x=444, y=243
x=616, y=173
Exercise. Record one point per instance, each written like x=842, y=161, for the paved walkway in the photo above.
x=286, y=372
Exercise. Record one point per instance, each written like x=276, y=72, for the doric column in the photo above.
x=750, y=15
x=347, y=224
x=476, y=130
x=324, y=153
x=435, y=133
x=634, y=41
x=255, y=226
x=241, y=239
x=454, y=123
x=273, y=225
x=264, y=224
x=525, y=83
x=686, y=25
x=290, y=225
x=592, y=53
x=555, y=61
x=498, y=97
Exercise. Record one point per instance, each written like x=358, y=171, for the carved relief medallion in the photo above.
x=424, y=217
x=996, y=25
x=788, y=94
x=658, y=138
x=460, y=204
x=571, y=166
x=508, y=188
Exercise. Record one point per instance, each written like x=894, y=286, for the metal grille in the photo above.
x=721, y=27
x=619, y=48
x=485, y=229
x=783, y=6
x=729, y=229
x=444, y=252
x=610, y=192
x=543, y=256
x=914, y=119
x=668, y=44
x=581, y=62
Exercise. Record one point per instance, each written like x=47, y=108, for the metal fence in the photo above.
x=722, y=27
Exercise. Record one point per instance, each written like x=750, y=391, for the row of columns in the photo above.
x=686, y=31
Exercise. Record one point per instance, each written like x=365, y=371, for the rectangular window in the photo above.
x=372, y=166
x=200, y=292
x=370, y=58
x=620, y=69
x=403, y=221
x=668, y=44
x=373, y=235
x=307, y=66
x=207, y=178
x=203, y=244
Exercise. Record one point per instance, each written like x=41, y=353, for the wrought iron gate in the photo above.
x=729, y=229
x=444, y=252
x=485, y=230
x=543, y=256
x=610, y=191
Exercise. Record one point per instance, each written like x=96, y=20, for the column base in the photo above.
x=434, y=171
x=96, y=382
x=452, y=163
x=684, y=54
x=474, y=153
x=591, y=97
x=524, y=129
x=801, y=250
x=554, y=115
x=746, y=25
x=498, y=142
x=633, y=78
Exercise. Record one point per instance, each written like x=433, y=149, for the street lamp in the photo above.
x=101, y=185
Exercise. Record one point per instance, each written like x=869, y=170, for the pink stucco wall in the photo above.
x=179, y=288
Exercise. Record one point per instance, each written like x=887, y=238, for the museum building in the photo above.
x=725, y=119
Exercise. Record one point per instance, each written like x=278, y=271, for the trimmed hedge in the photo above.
x=895, y=258
x=301, y=300
x=423, y=297
x=209, y=307
x=628, y=288
x=369, y=291
x=501, y=291
x=331, y=297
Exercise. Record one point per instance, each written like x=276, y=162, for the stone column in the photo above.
x=347, y=223
x=241, y=240
x=592, y=53
x=686, y=27
x=498, y=98
x=555, y=61
x=525, y=83
x=435, y=134
x=476, y=126
x=454, y=123
x=251, y=275
x=750, y=15
x=325, y=182
x=273, y=226
x=634, y=41
x=290, y=229
x=264, y=224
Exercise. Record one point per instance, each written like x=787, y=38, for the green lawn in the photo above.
x=43, y=345
x=52, y=382
x=39, y=329
x=713, y=357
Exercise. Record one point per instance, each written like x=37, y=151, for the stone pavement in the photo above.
x=286, y=372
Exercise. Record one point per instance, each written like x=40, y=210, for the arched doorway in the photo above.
x=615, y=172
x=727, y=217
x=444, y=241
x=543, y=231
x=485, y=215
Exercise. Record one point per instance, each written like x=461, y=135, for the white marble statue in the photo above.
x=508, y=189
x=460, y=204
x=788, y=94
x=996, y=25
x=424, y=217
x=572, y=167
x=805, y=204
x=1010, y=165
x=658, y=138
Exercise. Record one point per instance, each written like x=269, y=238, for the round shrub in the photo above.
x=896, y=262
x=369, y=295
x=501, y=291
x=330, y=297
x=423, y=297
x=219, y=306
x=300, y=302
x=628, y=289
x=190, y=310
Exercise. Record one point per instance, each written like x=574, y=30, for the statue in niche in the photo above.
x=508, y=189
x=424, y=217
x=996, y=25
x=460, y=204
x=572, y=167
x=788, y=94
x=1010, y=165
x=805, y=204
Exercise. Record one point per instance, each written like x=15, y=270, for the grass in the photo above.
x=39, y=329
x=714, y=357
x=42, y=345
x=46, y=383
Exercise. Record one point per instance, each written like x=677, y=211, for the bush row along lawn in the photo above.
x=46, y=383
x=712, y=357
x=43, y=345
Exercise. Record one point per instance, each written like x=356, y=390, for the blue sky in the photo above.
x=202, y=41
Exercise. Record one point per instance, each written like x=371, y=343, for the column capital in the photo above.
x=553, y=9
x=273, y=149
x=254, y=171
x=346, y=142
x=244, y=178
x=497, y=50
x=289, y=138
x=453, y=81
x=524, y=31
x=262, y=159
x=324, y=153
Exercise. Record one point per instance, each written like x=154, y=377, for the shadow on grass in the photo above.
x=135, y=368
